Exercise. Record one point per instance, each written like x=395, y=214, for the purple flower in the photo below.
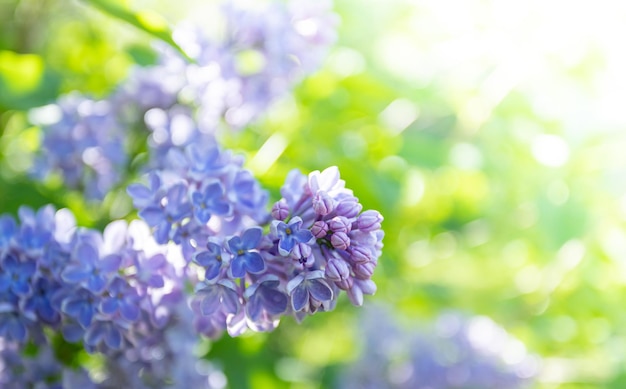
x=15, y=275
x=7, y=231
x=217, y=298
x=210, y=202
x=173, y=208
x=211, y=260
x=244, y=259
x=81, y=305
x=144, y=196
x=369, y=221
x=265, y=301
x=13, y=324
x=104, y=332
x=290, y=234
x=308, y=288
x=280, y=210
x=89, y=269
x=40, y=302
x=122, y=298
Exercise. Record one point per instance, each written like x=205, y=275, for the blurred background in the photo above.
x=488, y=133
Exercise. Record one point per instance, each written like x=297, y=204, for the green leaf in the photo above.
x=147, y=21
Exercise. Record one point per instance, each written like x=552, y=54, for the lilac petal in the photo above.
x=109, y=306
x=285, y=245
x=85, y=315
x=176, y=194
x=47, y=313
x=197, y=199
x=203, y=215
x=230, y=300
x=20, y=287
x=75, y=274
x=210, y=301
x=235, y=244
x=237, y=266
x=138, y=191
x=162, y=233
x=221, y=208
x=204, y=258
x=16, y=330
x=254, y=308
x=113, y=338
x=94, y=334
x=26, y=214
x=28, y=268
x=254, y=262
x=86, y=253
x=96, y=283
x=251, y=237
x=115, y=234
x=110, y=263
x=304, y=236
x=72, y=332
x=129, y=311
x=155, y=281
x=212, y=270
x=299, y=297
x=155, y=181
x=319, y=290
x=152, y=215
x=275, y=301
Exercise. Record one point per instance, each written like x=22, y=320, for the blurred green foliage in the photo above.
x=479, y=216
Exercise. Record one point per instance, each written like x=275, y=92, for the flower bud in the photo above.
x=340, y=224
x=369, y=221
x=301, y=250
x=280, y=210
x=337, y=269
x=348, y=207
x=360, y=254
x=319, y=229
x=323, y=204
x=364, y=270
x=340, y=240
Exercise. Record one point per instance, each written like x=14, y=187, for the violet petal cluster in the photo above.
x=262, y=52
x=455, y=351
x=119, y=293
x=319, y=243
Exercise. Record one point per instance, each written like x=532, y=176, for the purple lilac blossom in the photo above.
x=42, y=370
x=119, y=292
x=455, y=351
x=207, y=181
x=83, y=145
x=261, y=53
x=248, y=280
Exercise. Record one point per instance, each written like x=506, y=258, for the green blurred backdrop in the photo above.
x=488, y=133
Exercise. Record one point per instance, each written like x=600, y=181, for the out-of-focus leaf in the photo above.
x=25, y=82
x=148, y=21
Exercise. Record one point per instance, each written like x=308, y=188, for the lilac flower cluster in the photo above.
x=263, y=52
x=455, y=352
x=83, y=142
x=20, y=370
x=118, y=292
x=319, y=242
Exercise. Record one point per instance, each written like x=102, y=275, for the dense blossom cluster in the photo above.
x=261, y=53
x=319, y=242
x=119, y=293
x=457, y=351
x=210, y=255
